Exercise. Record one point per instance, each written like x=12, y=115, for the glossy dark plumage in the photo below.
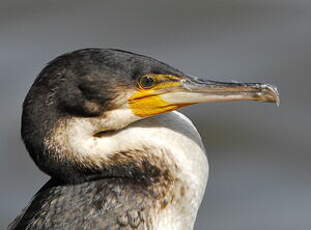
x=111, y=203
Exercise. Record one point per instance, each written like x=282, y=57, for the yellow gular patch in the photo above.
x=146, y=102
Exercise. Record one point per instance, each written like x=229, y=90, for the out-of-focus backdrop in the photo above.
x=259, y=154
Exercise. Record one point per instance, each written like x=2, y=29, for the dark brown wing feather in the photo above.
x=112, y=203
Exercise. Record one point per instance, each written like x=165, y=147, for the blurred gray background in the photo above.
x=259, y=154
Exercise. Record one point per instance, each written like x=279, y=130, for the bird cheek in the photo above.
x=145, y=104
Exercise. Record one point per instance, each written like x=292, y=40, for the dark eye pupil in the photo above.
x=146, y=82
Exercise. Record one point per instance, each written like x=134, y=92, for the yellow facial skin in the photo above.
x=148, y=102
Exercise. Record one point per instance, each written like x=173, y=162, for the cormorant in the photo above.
x=96, y=121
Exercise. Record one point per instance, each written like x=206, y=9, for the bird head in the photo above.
x=94, y=82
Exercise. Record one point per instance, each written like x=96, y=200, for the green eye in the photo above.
x=146, y=82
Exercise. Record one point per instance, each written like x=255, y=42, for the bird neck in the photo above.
x=164, y=152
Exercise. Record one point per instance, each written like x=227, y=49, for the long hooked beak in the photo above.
x=192, y=91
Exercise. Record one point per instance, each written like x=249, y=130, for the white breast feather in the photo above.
x=175, y=132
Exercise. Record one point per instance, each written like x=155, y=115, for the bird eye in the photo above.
x=146, y=82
